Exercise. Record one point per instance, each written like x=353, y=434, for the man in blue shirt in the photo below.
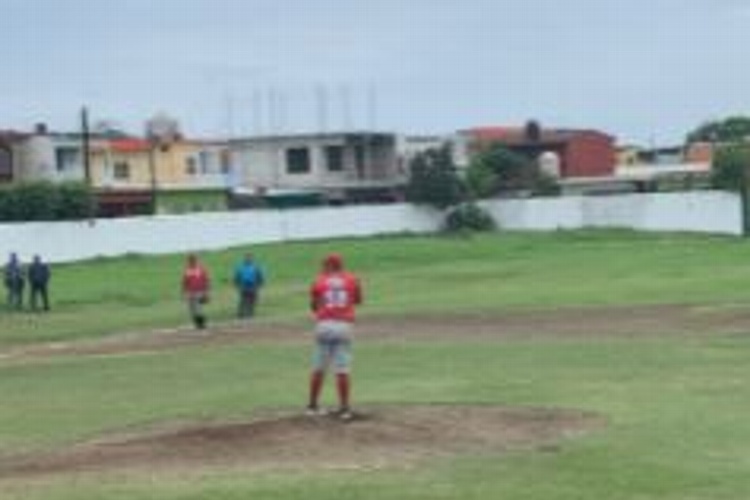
x=248, y=279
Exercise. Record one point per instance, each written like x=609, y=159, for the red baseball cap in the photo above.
x=333, y=261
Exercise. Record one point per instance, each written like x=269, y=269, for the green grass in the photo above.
x=405, y=275
x=677, y=406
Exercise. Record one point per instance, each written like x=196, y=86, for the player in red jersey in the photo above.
x=333, y=298
x=195, y=289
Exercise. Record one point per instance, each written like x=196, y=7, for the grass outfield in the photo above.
x=676, y=405
x=405, y=276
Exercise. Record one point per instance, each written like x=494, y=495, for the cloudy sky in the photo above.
x=644, y=70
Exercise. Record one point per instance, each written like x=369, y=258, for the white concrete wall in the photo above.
x=70, y=241
x=696, y=211
x=710, y=212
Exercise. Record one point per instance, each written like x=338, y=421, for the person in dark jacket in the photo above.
x=14, y=282
x=39, y=276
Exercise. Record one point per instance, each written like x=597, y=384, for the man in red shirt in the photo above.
x=333, y=298
x=195, y=288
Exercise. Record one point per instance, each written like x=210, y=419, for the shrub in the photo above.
x=36, y=201
x=76, y=201
x=469, y=217
x=498, y=170
x=434, y=181
x=44, y=201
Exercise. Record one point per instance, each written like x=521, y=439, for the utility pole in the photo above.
x=86, y=146
x=86, y=139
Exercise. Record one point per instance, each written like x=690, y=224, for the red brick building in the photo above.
x=7, y=161
x=582, y=153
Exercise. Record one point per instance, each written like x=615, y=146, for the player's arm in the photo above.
x=315, y=297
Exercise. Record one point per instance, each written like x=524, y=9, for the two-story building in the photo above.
x=580, y=153
x=131, y=174
x=324, y=168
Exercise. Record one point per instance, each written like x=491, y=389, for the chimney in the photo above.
x=41, y=129
x=533, y=131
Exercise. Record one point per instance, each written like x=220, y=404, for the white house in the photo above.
x=339, y=166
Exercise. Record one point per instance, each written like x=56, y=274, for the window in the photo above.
x=66, y=159
x=122, y=170
x=191, y=165
x=298, y=161
x=334, y=158
x=204, y=160
x=226, y=161
x=359, y=161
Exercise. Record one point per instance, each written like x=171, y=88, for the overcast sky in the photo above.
x=643, y=70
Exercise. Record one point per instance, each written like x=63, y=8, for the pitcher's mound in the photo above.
x=378, y=436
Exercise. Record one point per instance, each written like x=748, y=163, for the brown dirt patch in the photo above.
x=573, y=322
x=383, y=436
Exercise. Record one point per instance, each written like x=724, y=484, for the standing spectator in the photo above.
x=195, y=290
x=39, y=276
x=333, y=298
x=14, y=282
x=248, y=279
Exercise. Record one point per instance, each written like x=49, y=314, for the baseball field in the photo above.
x=569, y=365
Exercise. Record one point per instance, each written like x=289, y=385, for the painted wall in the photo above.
x=700, y=211
x=589, y=154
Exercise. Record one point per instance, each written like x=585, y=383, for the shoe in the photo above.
x=314, y=411
x=344, y=414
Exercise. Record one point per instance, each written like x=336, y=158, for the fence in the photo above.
x=700, y=211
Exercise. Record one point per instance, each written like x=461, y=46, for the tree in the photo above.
x=731, y=167
x=499, y=169
x=434, y=180
x=732, y=129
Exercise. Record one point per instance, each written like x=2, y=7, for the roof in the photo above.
x=130, y=145
x=12, y=136
x=324, y=136
x=518, y=135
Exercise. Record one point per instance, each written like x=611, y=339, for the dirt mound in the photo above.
x=377, y=437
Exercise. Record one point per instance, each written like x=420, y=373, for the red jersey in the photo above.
x=195, y=279
x=334, y=296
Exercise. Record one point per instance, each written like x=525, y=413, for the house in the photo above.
x=9, y=140
x=666, y=155
x=327, y=167
x=700, y=152
x=44, y=155
x=125, y=172
x=580, y=153
x=134, y=175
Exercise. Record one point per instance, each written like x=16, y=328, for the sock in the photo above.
x=343, y=385
x=316, y=385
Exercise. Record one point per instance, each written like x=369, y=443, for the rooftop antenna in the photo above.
x=346, y=107
x=272, y=110
x=372, y=106
x=282, y=99
x=229, y=110
x=321, y=105
x=257, y=112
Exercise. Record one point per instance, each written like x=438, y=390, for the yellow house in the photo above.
x=179, y=176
